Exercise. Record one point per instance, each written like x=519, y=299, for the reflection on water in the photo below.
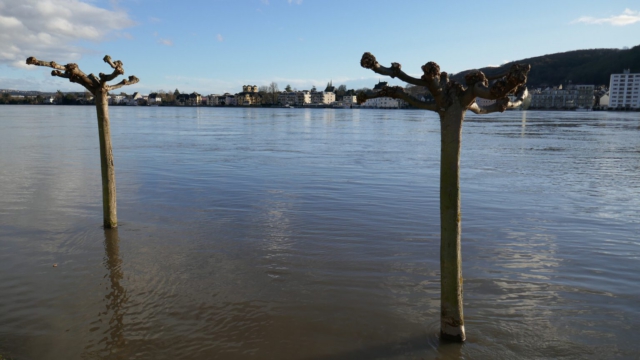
x=314, y=234
x=112, y=318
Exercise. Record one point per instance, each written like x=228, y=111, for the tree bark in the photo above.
x=106, y=161
x=451, y=316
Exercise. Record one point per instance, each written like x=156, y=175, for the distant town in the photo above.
x=622, y=94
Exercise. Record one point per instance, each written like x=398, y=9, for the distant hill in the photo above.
x=590, y=67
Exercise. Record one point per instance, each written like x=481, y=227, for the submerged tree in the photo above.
x=452, y=100
x=100, y=89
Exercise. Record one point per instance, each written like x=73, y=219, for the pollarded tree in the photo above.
x=100, y=89
x=452, y=100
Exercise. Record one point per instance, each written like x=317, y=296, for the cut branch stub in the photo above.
x=516, y=77
x=395, y=69
x=431, y=76
x=107, y=59
x=368, y=61
x=132, y=80
x=117, y=69
x=502, y=104
x=476, y=76
x=60, y=74
x=431, y=71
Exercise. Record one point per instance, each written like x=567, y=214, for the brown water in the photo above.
x=314, y=234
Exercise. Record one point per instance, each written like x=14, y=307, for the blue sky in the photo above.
x=217, y=46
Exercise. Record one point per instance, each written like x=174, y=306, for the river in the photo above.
x=314, y=234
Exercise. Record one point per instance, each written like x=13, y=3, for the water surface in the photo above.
x=314, y=234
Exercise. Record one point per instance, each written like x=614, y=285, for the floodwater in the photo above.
x=314, y=234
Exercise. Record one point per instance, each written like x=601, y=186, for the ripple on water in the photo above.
x=314, y=234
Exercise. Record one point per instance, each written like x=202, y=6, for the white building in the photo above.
x=604, y=100
x=133, y=99
x=381, y=103
x=303, y=97
x=116, y=99
x=322, y=97
x=154, y=98
x=623, y=90
x=349, y=100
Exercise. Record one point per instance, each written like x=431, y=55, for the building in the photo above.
x=288, y=98
x=303, y=98
x=298, y=98
x=154, y=98
x=381, y=102
x=116, y=99
x=573, y=97
x=249, y=96
x=212, y=100
x=623, y=90
x=349, y=100
x=134, y=99
x=322, y=97
x=193, y=99
x=249, y=88
x=229, y=99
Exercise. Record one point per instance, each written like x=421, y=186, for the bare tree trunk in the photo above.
x=106, y=161
x=451, y=317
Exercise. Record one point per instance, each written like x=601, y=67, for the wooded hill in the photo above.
x=588, y=67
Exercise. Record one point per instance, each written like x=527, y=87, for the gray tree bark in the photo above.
x=452, y=100
x=100, y=89
x=451, y=316
x=107, y=168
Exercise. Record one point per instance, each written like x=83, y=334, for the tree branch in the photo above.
x=107, y=59
x=59, y=74
x=521, y=94
x=117, y=69
x=52, y=64
x=94, y=79
x=501, y=104
x=397, y=92
x=71, y=72
x=516, y=77
x=369, y=61
x=132, y=80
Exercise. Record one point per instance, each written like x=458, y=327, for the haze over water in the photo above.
x=314, y=234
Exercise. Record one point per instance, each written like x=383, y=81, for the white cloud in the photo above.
x=266, y=2
x=627, y=17
x=166, y=42
x=297, y=2
x=220, y=38
x=49, y=29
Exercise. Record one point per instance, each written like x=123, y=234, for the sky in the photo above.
x=213, y=47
